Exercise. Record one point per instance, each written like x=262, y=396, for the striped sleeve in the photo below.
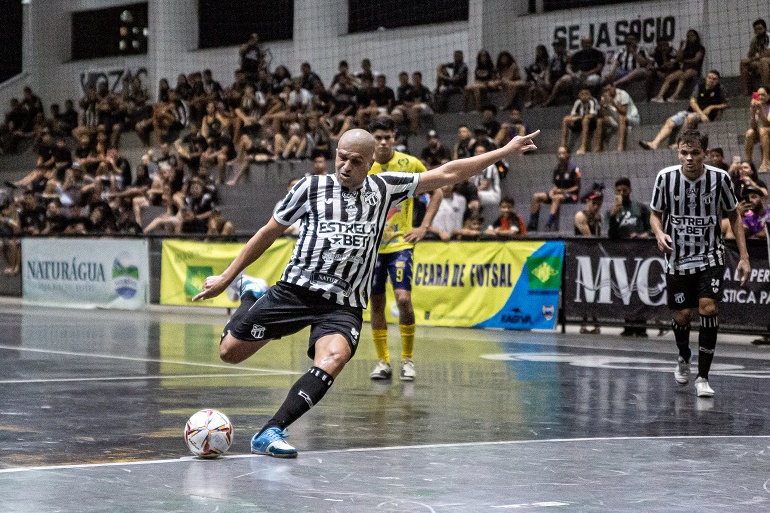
x=400, y=185
x=659, y=193
x=727, y=194
x=294, y=204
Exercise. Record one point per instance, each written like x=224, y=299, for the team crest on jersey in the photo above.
x=707, y=199
x=370, y=198
x=257, y=331
x=679, y=297
x=403, y=162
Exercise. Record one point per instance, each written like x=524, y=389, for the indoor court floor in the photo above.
x=94, y=404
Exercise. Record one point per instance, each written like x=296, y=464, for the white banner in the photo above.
x=86, y=273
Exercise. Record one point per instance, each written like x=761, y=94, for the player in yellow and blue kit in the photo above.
x=395, y=256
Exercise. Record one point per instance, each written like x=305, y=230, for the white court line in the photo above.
x=142, y=378
x=147, y=360
x=384, y=449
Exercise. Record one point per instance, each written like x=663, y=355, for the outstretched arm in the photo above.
x=257, y=245
x=460, y=170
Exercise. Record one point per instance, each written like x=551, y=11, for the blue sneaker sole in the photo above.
x=274, y=454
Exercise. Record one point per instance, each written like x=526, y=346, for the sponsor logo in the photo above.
x=354, y=334
x=608, y=279
x=196, y=275
x=327, y=280
x=306, y=397
x=125, y=276
x=257, y=331
x=544, y=272
x=548, y=312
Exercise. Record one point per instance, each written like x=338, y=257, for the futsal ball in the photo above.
x=208, y=433
x=257, y=286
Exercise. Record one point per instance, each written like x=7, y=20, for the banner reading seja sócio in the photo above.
x=185, y=264
x=86, y=273
x=511, y=285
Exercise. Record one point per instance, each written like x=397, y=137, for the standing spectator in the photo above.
x=435, y=153
x=566, y=189
x=616, y=112
x=252, y=57
x=690, y=58
x=630, y=64
x=588, y=223
x=628, y=219
x=509, y=224
x=451, y=78
x=756, y=216
x=757, y=61
x=366, y=71
x=759, y=128
x=537, y=77
x=483, y=76
x=581, y=119
x=686, y=218
x=12, y=130
x=584, y=69
x=707, y=100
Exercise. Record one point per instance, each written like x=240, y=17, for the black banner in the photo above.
x=618, y=280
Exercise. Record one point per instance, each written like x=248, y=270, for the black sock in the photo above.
x=306, y=392
x=534, y=219
x=682, y=336
x=707, y=341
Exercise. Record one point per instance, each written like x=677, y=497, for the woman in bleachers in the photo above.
x=508, y=78
x=537, y=77
x=690, y=59
x=759, y=127
x=484, y=74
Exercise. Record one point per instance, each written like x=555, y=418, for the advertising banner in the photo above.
x=86, y=273
x=617, y=280
x=185, y=264
x=511, y=285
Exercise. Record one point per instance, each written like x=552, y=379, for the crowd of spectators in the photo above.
x=200, y=135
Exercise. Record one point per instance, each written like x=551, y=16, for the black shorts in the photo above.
x=287, y=309
x=684, y=290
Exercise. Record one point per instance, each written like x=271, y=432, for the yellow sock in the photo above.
x=407, y=340
x=381, y=344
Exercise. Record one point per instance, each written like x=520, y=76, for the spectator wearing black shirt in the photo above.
x=584, y=69
x=435, y=153
x=483, y=76
x=31, y=214
x=706, y=102
x=451, y=78
x=252, y=57
x=690, y=59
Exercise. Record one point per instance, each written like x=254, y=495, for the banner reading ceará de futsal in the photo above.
x=86, y=273
x=185, y=264
x=511, y=285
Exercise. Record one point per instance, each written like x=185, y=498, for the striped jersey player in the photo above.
x=688, y=203
x=326, y=282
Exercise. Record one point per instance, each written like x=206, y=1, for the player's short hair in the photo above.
x=419, y=73
x=384, y=123
x=718, y=150
x=759, y=21
x=403, y=74
x=343, y=63
x=508, y=200
x=693, y=138
x=715, y=72
x=623, y=181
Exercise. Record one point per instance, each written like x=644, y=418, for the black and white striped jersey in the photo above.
x=692, y=216
x=341, y=232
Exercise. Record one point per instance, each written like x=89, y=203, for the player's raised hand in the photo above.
x=522, y=143
x=212, y=287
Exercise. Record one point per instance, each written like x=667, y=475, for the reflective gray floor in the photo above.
x=94, y=404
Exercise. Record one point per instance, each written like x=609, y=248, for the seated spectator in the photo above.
x=483, y=77
x=487, y=183
x=566, y=189
x=473, y=228
x=706, y=102
x=508, y=78
x=489, y=120
x=416, y=101
x=757, y=61
x=759, y=128
x=616, y=112
x=31, y=214
x=717, y=159
x=400, y=131
x=537, y=77
x=451, y=78
x=465, y=142
x=629, y=65
x=46, y=151
x=383, y=96
x=14, y=129
x=690, y=58
x=31, y=105
x=168, y=221
x=366, y=71
x=219, y=226
x=662, y=63
x=320, y=164
x=435, y=153
x=582, y=119
x=511, y=128
x=509, y=224
x=756, y=216
x=449, y=218
x=167, y=116
x=584, y=69
x=588, y=222
x=744, y=175
x=366, y=106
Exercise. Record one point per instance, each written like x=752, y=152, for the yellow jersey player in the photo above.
x=395, y=254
